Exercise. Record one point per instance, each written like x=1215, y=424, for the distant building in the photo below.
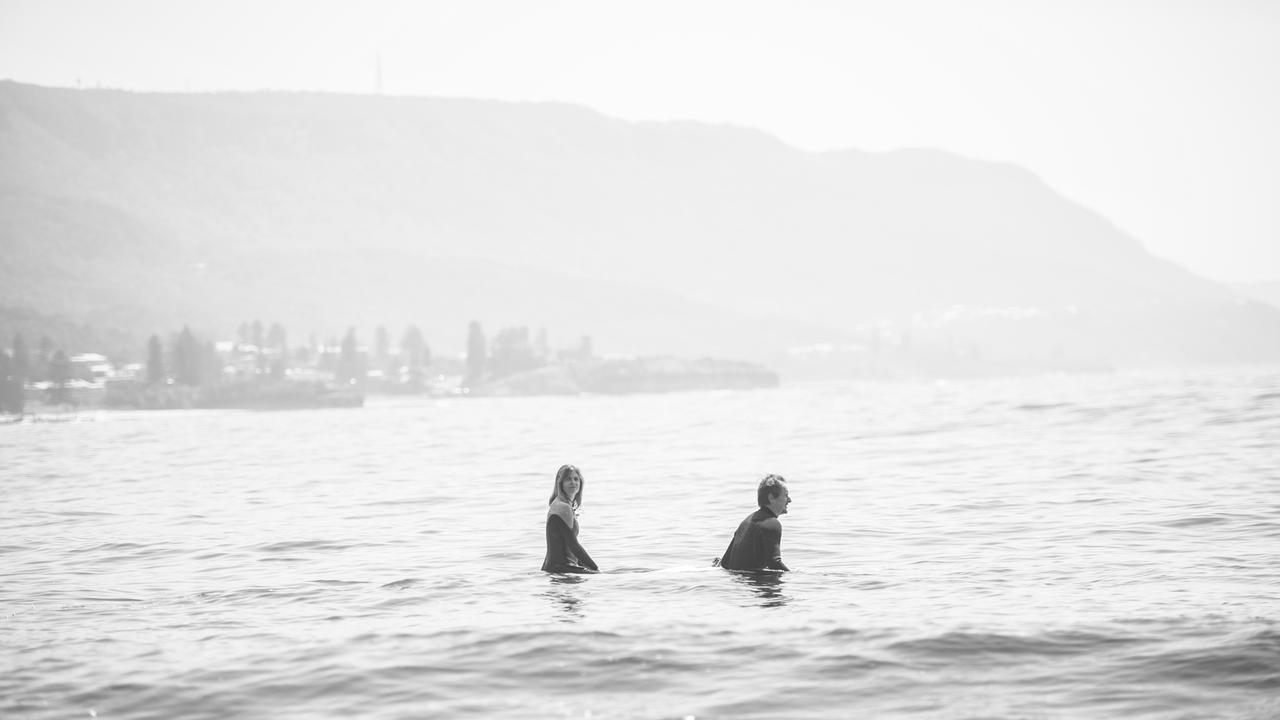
x=91, y=367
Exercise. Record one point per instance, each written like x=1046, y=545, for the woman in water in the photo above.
x=564, y=553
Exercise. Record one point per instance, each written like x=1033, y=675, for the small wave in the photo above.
x=905, y=432
x=958, y=644
x=401, y=584
x=107, y=552
x=1238, y=419
x=248, y=594
x=1087, y=500
x=981, y=505
x=549, y=641
x=401, y=502
x=844, y=634
x=113, y=547
x=214, y=555
x=1096, y=410
x=1036, y=407
x=846, y=665
x=1195, y=521
x=1249, y=664
x=338, y=583
x=1264, y=528
x=505, y=555
x=292, y=545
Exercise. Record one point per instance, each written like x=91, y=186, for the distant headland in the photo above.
x=260, y=370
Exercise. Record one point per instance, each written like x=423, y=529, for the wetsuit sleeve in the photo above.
x=771, y=542
x=580, y=552
x=583, y=556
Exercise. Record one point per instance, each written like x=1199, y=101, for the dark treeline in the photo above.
x=187, y=370
x=264, y=353
x=45, y=365
x=512, y=351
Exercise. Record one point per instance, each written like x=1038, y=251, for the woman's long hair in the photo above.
x=576, y=501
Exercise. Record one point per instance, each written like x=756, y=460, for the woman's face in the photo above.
x=569, y=486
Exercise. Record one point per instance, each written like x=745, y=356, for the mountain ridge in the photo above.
x=729, y=220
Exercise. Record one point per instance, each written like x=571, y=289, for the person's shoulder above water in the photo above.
x=561, y=509
x=765, y=518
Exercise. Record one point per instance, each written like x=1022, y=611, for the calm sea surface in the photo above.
x=1101, y=546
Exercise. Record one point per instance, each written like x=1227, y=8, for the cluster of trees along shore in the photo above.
x=19, y=366
x=262, y=356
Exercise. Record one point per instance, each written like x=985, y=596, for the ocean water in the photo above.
x=1100, y=546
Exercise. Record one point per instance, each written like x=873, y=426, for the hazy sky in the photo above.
x=1162, y=115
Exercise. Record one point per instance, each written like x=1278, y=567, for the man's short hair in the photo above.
x=770, y=487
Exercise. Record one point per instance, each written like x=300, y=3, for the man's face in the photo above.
x=778, y=503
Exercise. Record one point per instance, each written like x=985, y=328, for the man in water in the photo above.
x=757, y=543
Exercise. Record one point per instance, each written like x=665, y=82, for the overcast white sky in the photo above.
x=1162, y=115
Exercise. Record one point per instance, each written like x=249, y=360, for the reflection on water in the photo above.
x=765, y=586
x=565, y=597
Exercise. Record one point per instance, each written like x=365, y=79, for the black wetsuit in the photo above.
x=757, y=544
x=564, y=553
